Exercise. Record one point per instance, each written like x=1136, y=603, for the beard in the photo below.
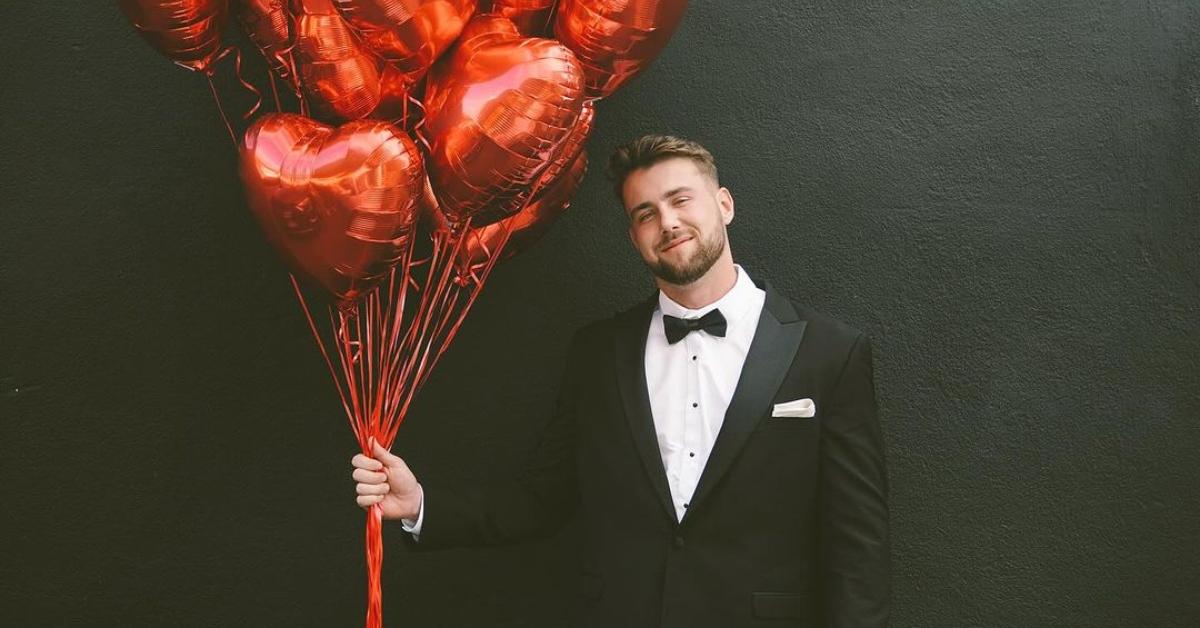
x=687, y=271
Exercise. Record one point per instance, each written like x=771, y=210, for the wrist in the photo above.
x=414, y=507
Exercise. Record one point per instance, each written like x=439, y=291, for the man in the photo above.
x=719, y=442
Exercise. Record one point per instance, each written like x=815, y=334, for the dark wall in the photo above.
x=1005, y=197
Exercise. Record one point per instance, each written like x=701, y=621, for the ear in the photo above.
x=725, y=202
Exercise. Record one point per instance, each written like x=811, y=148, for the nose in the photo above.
x=669, y=219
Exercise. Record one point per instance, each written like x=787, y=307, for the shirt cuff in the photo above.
x=414, y=527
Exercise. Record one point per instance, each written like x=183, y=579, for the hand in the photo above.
x=384, y=480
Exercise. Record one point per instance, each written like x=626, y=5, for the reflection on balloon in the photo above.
x=187, y=31
x=497, y=112
x=268, y=23
x=410, y=34
x=532, y=17
x=616, y=40
x=343, y=79
x=339, y=204
x=555, y=188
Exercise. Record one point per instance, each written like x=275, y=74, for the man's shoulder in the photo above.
x=822, y=324
x=824, y=335
x=606, y=327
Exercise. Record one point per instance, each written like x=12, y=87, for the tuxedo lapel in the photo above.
x=631, y=379
x=772, y=351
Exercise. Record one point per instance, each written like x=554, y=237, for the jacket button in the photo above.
x=679, y=542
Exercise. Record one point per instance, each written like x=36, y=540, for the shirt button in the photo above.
x=693, y=358
x=691, y=454
x=686, y=505
x=695, y=404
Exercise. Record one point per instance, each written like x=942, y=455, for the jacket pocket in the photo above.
x=778, y=424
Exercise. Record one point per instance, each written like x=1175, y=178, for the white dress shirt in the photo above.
x=690, y=383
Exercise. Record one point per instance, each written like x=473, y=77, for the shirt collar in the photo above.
x=733, y=304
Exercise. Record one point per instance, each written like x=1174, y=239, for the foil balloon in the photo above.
x=342, y=78
x=187, y=31
x=409, y=34
x=571, y=149
x=532, y=17
x=269, y=24
x=527, y=226
x=516, y=233
x=616, y=40
x=498, y=110
x=478, y=32
x=339, y=204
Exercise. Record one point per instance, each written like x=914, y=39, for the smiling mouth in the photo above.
x=675, y=243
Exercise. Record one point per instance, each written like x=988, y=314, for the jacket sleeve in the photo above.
x=534, y=504
x=855, y=563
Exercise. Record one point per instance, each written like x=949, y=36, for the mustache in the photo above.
x=674, y=235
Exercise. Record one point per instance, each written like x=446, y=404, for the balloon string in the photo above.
x=237, y=71
x=410, y=350
x=221, y=109
x=418, y=345
x=298, y=84
x=450, y=306
x=372, y=342
x=351, y=323
x=425, y=303
x=420, y=122
x=391, y=321
x=338, y=322
x=374, y=566
x=492, y=257
x=321, y=345
x=290, y=62
x=274, y=90
x=479, y=279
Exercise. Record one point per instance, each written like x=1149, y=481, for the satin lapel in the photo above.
x=631, y=379
x=772, y=351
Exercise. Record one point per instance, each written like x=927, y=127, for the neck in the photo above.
x=716, y=283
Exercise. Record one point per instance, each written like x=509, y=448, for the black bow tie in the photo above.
x=677, y=328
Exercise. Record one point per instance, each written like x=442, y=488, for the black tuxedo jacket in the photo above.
x=788, y=525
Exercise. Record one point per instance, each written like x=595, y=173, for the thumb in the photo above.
x=383, y=455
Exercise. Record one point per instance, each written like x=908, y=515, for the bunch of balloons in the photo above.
x=462, y=119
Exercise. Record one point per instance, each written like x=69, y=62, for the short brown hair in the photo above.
x=648, y=150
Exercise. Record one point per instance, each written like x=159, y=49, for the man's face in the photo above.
x=677, y=218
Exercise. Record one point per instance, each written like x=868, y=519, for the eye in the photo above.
x=682, y=200
x=642, y=215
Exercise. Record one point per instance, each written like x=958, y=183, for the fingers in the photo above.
x=370, y=477
x=363, y=462
x=372, y=489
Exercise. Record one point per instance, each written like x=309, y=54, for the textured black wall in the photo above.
x=1004, y=196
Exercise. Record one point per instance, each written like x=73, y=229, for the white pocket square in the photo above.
x=800, y=409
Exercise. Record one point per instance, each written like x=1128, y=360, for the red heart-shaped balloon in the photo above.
x=338, y=204
x=552, y=197
x=269, y=24
x=186, y=31
x=498, y=110
x=342, y=77
x=615, y=41
x=410, y=34
x=532, y=17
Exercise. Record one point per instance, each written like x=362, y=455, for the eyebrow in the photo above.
x=669, y=194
